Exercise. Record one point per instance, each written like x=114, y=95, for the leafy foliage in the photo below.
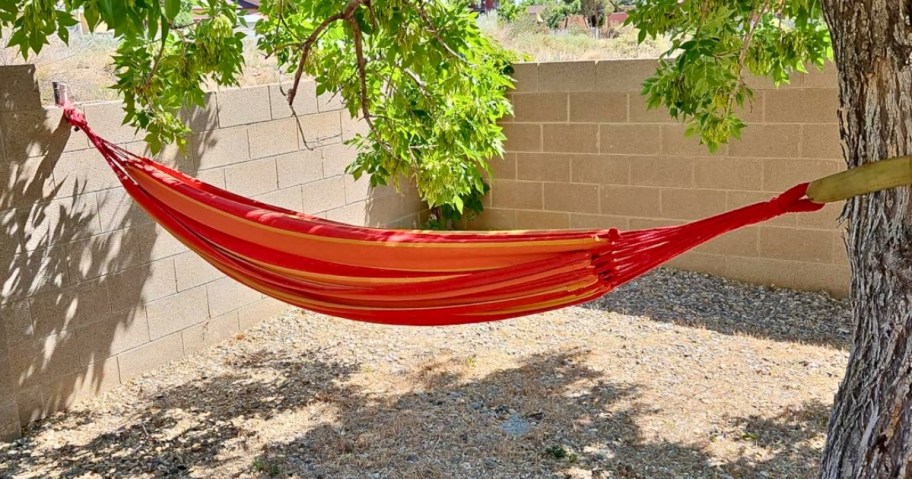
x=556, y=11
x=509, y=11
x=185, y=17
x=444, y=216
x=163, y=57
x=701, y=78
x=429, y=84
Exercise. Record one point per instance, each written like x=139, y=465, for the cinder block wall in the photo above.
x=93, y=293
x=584, y=152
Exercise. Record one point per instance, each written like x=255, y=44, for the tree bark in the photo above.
x=870, y=430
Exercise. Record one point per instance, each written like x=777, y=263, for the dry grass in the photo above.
x=576, y=393
x=541, y=46
x=86, y=62
x=86, y=65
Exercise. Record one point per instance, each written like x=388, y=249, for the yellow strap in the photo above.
x=866, y=178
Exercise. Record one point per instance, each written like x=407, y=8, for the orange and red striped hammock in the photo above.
x=407, y=277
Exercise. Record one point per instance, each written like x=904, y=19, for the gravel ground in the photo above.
x=677, y=375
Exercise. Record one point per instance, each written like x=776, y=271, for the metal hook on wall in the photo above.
x=62, y=96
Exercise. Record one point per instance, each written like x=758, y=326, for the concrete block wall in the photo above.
x=583, y=151
x=92, y=293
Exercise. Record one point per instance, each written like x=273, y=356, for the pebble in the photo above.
x=672, y=296
x=515, y=426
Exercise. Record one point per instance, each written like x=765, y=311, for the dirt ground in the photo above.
x=577, y=393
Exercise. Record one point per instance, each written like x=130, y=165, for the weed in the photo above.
x=749, y=436
x=267, y=466
x=471, y=361
x=561, y=453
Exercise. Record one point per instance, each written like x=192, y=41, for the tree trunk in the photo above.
x=870, y=430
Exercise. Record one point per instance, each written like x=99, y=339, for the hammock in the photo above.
x=407, y=277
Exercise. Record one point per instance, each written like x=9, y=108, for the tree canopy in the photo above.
x=429, y=84
x=701, y=79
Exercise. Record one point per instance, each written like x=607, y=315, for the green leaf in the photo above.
x=172, y=8
x=91, y=16
x=64, y=34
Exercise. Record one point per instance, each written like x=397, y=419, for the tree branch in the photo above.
x=745, y=46
x=362, y=79
x=192, y=23
x=156, y=63
x=307, y=45
x=433, y=29
x=370, y=6
x=362, y=72
x=346, y=15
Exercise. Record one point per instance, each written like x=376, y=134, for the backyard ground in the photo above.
x=677, y=375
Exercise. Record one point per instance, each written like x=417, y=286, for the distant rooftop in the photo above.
x=617, y=17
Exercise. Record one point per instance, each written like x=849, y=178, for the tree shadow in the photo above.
x=795, y=438
x=190, y=425
x=727, y=306
x=77, y=258
x=500, y=425
x=550, y=416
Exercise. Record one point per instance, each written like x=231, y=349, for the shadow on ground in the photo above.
x=730, y=307
x=552, y=416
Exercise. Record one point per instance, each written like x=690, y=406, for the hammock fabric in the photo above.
x=407, y=277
